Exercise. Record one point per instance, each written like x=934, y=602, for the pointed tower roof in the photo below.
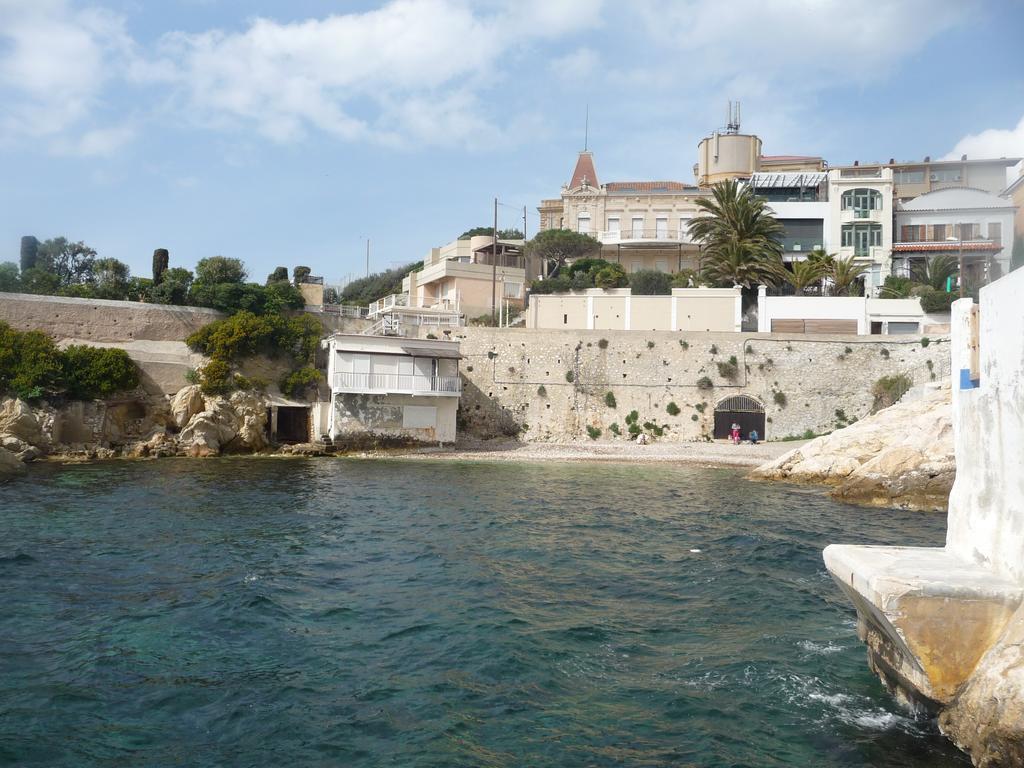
x=584, y=170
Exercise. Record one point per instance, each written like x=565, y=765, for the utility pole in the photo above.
x=494, y=266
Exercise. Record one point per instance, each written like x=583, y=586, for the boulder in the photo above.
x=251, y=418
x=10, y=466
x=186, y=403
x=901, y=456
x=17, y=420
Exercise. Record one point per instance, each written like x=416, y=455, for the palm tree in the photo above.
x=740, y=237
x=844, y=274
x=805, y=274
x=936, y=271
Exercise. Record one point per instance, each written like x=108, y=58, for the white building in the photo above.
x=859, y=315
x=860, y=220
x=799, y=201
x=955, y=221
x=391, y=386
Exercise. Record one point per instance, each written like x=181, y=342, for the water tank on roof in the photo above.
x=723, y=156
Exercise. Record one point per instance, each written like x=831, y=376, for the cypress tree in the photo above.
x=29, y=252
x=161, y=259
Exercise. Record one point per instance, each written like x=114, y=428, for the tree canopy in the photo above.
x=503, y=234
x=378, y=285
x=220, y=269
x=557, y=246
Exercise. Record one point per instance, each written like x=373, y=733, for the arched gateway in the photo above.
x=744, y=410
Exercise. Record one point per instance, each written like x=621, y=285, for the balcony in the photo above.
x=947, y=246
x=396, y=384
x=801, y=245
x=639, y=235
x=387, y=303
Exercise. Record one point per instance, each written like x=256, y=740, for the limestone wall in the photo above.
x=100, y=320
x=519, y=376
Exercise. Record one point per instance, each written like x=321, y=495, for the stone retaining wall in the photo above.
x=520, y=378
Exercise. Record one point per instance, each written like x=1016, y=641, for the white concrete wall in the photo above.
x=862, y=309
x=986, y=506
x=687, y=309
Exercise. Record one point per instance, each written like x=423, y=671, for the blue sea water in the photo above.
x=269, y=612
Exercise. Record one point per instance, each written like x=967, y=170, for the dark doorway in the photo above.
x=739, y=409
x=292, y=424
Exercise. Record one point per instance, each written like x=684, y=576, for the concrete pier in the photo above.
x=943, y=626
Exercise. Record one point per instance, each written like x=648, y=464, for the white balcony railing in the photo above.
x=629, y=234
x=396, y=383
x=388, y=302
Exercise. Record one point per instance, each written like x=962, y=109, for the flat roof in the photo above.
x=1006, y=161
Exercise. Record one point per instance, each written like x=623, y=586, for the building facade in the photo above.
x=392, y=387
x=470, y=277
x=861, y=221
x=912, y=179
x=643, y=225
x=970, y=225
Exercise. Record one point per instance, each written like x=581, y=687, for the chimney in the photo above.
x=927, y=158
x=963, y=157
x=892, y=161
x=856, y=163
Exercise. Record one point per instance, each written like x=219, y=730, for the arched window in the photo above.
x=861, y=201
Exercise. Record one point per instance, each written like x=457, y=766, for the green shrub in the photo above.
x=634, y=429
x=614, y=429
x=672, y=409
x=700, y=407
x=714, y=349
x=925, y=341
x=30, y=363
x=296, y=382
x=650, y=345
x=884, y=353
x=192, y=376
x=611, y=276
x=603, y=344
x=542, y=391
x=889, y=389
x=97, y=372
x=215, y=378
x=648, y=282
x=729, y=370
x=633, y=417
x=684, y=344
x=937, y=301
x=695, y=417
x=594, y=432
x=609, y=399
x=705, y=383
x=779, y=398
x=245, y=334
x=570, y=376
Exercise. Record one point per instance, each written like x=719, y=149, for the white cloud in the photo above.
x=994, y=142
x=54, y=64
x=408, y=70
x=580, y=64
x=98, y=142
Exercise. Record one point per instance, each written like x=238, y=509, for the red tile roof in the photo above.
x=647, y=186
x=584, y=170
x=946, y=246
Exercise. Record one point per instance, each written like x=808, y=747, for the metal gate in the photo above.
x=744, y=410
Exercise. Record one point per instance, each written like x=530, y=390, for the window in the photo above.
x=613, y=224
x=945, y=174
x=684, y=229
x=970, y=231
x=861, y=237
x=661, y=266
x=638, y=226
x=513, y=290
x=861, y=201
x=938, y=232
x=909, y=177
x=995, y=231
x=912, y=233
x=583, y=223
x=661, y=228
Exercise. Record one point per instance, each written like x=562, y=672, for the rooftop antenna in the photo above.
x=586, y=130
x=732, y=118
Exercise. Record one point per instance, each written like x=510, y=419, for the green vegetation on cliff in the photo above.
x=32, y=367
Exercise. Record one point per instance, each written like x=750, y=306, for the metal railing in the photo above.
x=388, y=302
x=629, y=233
x=345, y=310
x=397, y=383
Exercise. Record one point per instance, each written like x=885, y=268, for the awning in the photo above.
x=446, y=354
x=787, y=180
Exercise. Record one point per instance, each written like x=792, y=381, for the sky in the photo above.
x=292, y=132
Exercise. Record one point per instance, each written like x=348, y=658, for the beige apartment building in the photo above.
x=912, y=179
x=469, y=277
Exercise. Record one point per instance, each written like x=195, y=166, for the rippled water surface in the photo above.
x=372, y=613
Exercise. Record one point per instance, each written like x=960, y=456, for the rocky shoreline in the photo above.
x=900, y=457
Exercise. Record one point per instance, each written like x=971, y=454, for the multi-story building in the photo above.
x=799, y=201
x=861, y=219
x=471, y=277
x=1015, y=192
x=971, y=225
x=911, y=179
x=640, y=224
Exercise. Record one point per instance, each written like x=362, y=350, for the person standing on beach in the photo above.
x=735, y=433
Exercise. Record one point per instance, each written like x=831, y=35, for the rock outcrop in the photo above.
x=901, y=456
x=10, y=465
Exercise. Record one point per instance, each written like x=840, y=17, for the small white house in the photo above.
x=852, y=315
x=392, y=386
